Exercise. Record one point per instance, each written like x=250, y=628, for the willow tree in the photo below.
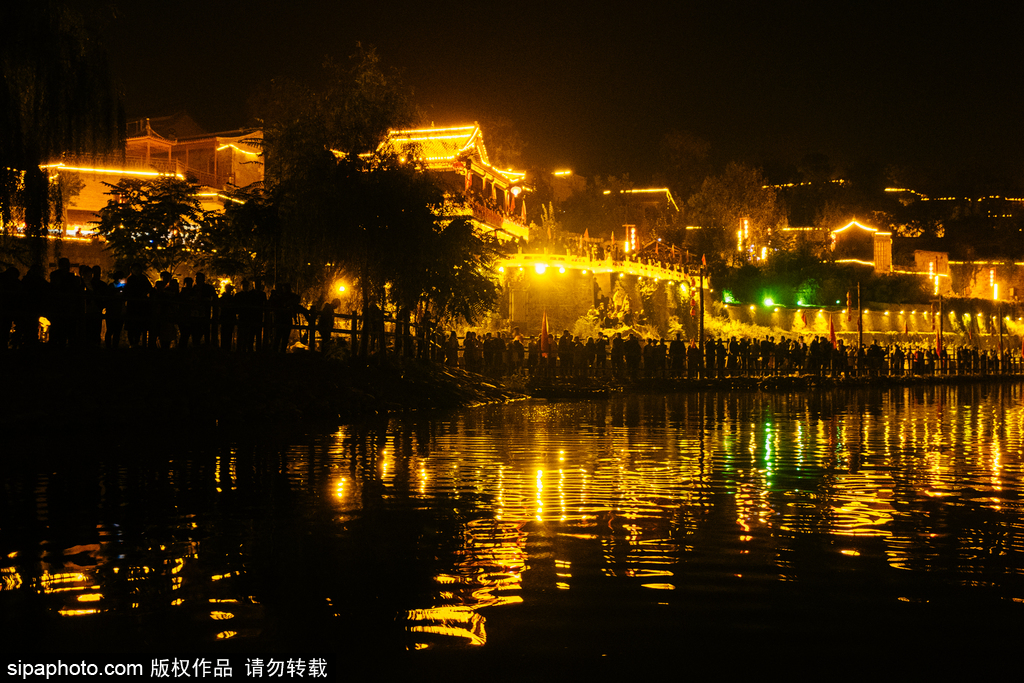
x=57, y=99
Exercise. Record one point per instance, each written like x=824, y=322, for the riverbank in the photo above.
x=583, y=388
x=196, y=388
x=47, y=389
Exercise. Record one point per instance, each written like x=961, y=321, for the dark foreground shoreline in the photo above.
x=198, y=388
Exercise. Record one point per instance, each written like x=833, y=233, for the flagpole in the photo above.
x=999, y=322
x=832, y=340
x=860, y=332
x=545, y=345
x=701, y=333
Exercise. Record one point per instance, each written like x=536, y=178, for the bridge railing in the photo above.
x=643, y=268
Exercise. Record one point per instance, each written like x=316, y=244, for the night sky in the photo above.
x=596, y=89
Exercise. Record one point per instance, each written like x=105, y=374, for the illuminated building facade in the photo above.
x=858, y=243
x=216, y=160
x=170, y=145
x=494, y=198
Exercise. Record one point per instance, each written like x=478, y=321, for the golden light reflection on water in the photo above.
x=488, y=574
x=457, y=622
x=635, y=496
x=95, y=579
x=621, y=477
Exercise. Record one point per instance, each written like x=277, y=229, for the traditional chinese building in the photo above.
x=858, y=243
x=171, y=145
x=494, y=198
x=175, y=144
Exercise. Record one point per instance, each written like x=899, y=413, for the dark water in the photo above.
x=832, y=527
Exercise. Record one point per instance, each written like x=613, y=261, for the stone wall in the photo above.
x=976, y=280
x=965, y=321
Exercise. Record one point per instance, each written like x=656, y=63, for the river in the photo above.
x=816, y=524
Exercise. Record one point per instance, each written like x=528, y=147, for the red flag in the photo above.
x=938, y=343
x=704, y=260
x=832, y=332
x=803, y=317
x=545, y=339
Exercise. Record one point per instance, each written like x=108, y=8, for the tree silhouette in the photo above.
x=723, y=200
x=153, y=222
x=346, y=204
x=686, y=161
x=243, y=239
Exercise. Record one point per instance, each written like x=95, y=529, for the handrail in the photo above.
x=658, y=270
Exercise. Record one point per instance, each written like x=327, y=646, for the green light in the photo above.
x=768, y=302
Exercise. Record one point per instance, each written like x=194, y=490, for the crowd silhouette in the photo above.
x=79, y=308
x=627, y=356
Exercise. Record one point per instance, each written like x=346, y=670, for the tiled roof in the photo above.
x=442, y=149
x=439, y=146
